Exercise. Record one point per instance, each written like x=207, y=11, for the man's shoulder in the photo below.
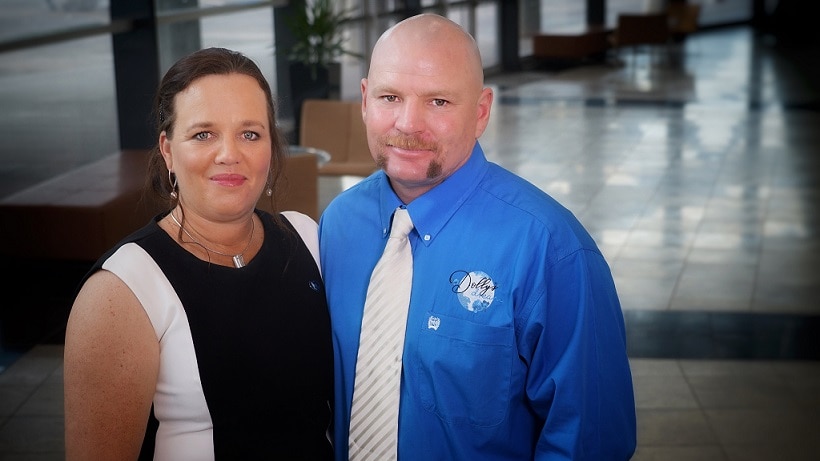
x=524, y=203
x=517, y=192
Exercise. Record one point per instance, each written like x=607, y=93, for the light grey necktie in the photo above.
x=374, y=416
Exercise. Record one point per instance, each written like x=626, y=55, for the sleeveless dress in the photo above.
x=246, y=360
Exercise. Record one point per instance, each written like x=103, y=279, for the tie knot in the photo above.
x=402, y=224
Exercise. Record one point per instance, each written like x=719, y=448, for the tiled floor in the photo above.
x=700, y=179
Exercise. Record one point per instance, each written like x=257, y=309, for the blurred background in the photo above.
x=694, y=161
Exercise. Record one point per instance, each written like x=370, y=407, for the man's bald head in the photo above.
x=433, y=34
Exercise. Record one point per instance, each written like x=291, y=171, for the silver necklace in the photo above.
x=238, y=259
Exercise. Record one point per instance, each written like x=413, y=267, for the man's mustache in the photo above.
x=409, y=143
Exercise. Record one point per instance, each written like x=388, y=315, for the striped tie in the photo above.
x=374, y=418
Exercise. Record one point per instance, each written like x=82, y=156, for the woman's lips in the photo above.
x=231, y=180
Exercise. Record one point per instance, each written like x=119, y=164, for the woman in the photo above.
x=205, y=334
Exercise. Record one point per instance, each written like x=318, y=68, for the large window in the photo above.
x=59, y=109
x=247, y=26
x=250, y=32
x=26, y=19
x=57, y=79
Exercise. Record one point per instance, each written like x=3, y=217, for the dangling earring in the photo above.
x=173, y=183
x=268, y=190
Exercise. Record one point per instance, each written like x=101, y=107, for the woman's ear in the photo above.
x=165, y=150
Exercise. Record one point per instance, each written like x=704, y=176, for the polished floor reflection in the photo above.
x=699, y=180
x=698, y=173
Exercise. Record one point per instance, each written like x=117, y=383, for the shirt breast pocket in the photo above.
x=464, y=370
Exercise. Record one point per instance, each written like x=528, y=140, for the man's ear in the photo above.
x=485, y=103
x=364, y=97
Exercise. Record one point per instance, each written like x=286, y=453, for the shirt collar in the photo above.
x=434, y=208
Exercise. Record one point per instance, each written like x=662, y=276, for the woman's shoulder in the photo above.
x=307, y=229
x=147, y=231
x=298, y=219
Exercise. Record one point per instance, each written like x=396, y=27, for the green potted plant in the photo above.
x=317, y=30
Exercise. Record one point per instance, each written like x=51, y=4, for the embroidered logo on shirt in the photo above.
x=433, y=323
x=475, y=289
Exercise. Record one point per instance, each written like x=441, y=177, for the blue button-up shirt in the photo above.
x=515, y=344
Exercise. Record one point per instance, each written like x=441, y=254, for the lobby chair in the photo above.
x=683, y=19
x=642, y=31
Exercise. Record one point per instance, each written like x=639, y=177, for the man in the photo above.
x=514, y=347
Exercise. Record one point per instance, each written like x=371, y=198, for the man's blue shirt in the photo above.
x=515, y=344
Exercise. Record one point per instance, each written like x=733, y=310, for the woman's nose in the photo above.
x=228, y=152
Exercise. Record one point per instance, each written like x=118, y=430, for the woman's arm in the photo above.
x=111, y=367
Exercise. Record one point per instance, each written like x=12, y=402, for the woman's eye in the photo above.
x=250, y=136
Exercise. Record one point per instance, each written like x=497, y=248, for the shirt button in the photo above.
x=426, y=237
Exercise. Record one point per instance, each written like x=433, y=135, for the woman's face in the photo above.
x=221, y=146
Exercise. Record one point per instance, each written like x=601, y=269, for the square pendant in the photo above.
x=238, y=261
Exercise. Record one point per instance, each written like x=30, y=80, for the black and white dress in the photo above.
x=246, y=361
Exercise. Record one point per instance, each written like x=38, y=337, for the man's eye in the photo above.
x=439, y=102
x=202, y=135
x=391, y=98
